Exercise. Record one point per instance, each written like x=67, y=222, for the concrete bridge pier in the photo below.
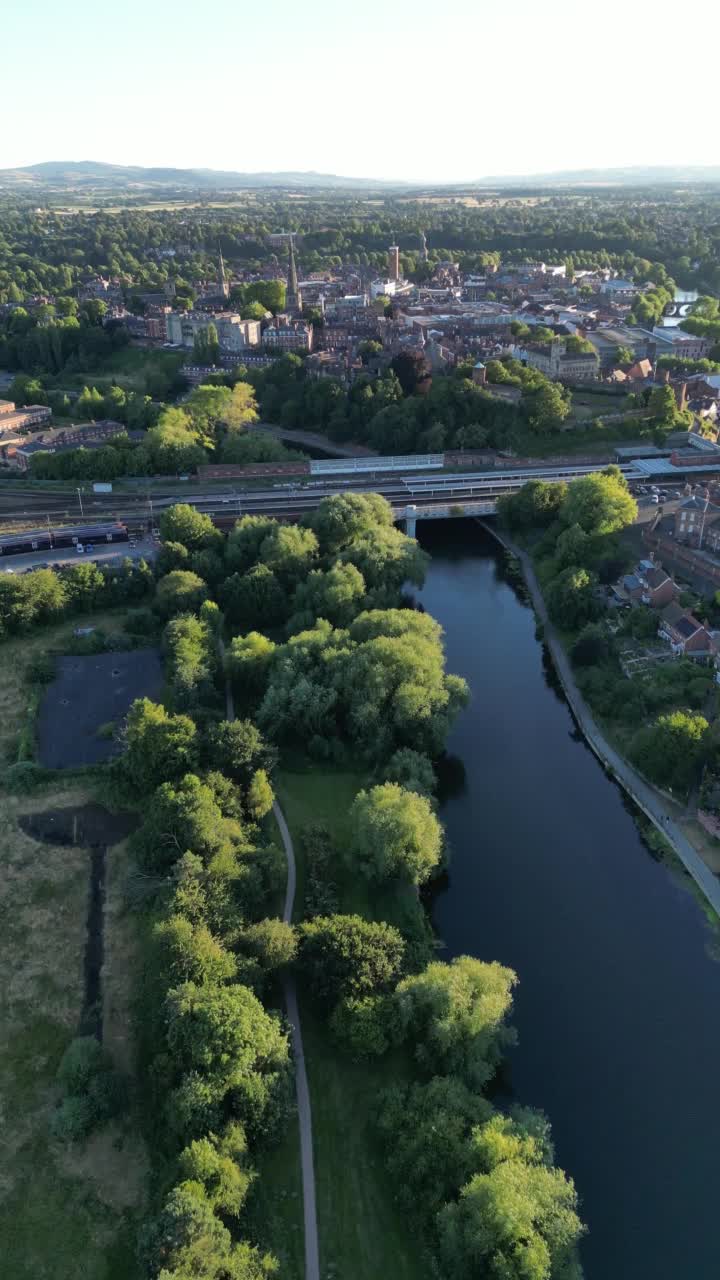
x=410, y=518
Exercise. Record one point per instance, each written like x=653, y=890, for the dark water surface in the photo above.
x=617, y=1006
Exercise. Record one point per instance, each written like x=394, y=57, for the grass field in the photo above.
x=64, y=1213
x=130, y=367
x=362, y=1233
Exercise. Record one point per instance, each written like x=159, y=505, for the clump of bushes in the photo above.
x=321, y=895
x=93, y=1090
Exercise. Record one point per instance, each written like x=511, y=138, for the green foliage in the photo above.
x=411, y=770
x=670, y=751
x=515, y=1220
x=183, y=816
x=180, y=592
x=345, y=955
x=454, y=1017
x=570, y=598
x=599, y=503
x=395, y=833
x=92, y=1090
x=219, y=1166
x=536, y=506
x=381, y=685
x=237, y=748
x=190, y=953
x=185, y=525
x=159, y=746
x=191, y=662
x=426, y=1131
x=260, y=796
x=591, y=647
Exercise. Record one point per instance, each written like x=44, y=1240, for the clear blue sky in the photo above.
x=382, y=88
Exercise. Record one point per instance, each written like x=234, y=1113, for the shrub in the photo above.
x=40, y=669
x=25, y=776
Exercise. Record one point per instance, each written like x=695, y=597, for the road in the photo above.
x=302, y=1090
x=661, y=812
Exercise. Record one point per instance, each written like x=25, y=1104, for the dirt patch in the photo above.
x=86, y=696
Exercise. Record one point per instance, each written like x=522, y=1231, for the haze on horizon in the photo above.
x=403, y=90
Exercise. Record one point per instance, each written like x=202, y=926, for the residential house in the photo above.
x=686, y=636
x=695, y=519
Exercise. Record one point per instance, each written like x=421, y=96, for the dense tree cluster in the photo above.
x=46, y=595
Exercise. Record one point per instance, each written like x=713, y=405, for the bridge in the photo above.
x=410, y=515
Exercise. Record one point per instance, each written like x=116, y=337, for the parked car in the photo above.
x=655, y=498
x=79, y=548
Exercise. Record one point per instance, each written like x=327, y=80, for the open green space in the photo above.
x=131, y=367
x=65, y=1213
x=362, y=1232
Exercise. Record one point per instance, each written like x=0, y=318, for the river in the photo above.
x=618, y=1000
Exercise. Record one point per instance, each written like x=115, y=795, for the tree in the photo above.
x=289, y=551
x=535, y=506
x=223, y=1032
x=187, y=1239
x=184, y=524
x=591, y=647
x=571, y=598
x=244, y=542
x=272, y=942
x=343, y=517
x=180, y=592
x=663, y=406
x=623, y=355
x=336, y=594
x=183, y=816
x=411, y=770
x=546, y=405
x=671, y=750
x=238, y=749
x=454, y=1014
x=255, y=598
x=412, y=370
x=426, y=1131
x=260, y=796
x=248, y=665
x=190, y=953
x=517, y=1218
x=346, y=955
x=220, y=1166
x=159, y=747
x=599, y=503
x=395, y=833
x=242, y=408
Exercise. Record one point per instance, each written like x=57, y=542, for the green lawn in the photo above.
x=362, y=1232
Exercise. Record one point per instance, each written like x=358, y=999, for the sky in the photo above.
x=396, y=89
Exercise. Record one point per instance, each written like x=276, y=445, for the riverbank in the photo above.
x=665, y=816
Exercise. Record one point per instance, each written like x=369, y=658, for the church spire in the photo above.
x=293, y=301
x=223, y=281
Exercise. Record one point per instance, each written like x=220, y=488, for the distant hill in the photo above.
x=633, y=176
x=94, y=175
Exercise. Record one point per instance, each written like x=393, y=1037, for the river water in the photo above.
x=617, y=1005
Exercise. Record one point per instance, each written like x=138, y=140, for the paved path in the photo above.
x=312, y=1253
x=654, y=805
x=302, y=1091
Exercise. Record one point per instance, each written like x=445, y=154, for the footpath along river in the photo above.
x=617, y=1009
